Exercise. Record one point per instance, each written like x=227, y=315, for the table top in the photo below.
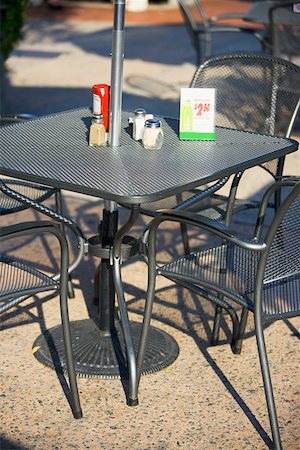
x=54, y=150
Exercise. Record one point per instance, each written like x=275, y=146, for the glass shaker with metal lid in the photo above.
x=153, y=135
x=138, y=124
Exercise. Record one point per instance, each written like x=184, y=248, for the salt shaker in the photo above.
x=153, y=135
x=97, y=131
x=138, y=124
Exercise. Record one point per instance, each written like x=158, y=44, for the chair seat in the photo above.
x=212, y=268
x=37, y=193
x=17, y=279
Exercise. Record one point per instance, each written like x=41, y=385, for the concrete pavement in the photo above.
x=64, y=53
x=209, y=399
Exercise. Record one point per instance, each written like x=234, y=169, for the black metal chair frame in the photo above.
x=259, y=248
x=206, y=200
x=209, y=26
x=12, y=294
x=282, y=15
x=62, y=220
x=35, y=192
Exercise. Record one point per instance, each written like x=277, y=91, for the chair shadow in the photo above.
x=204, y=313
x=7, y=444
x=187, y=315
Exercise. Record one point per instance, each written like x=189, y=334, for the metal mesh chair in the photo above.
x=201, y=27
x=258, y=93
x=261, y=274
x=35, y=192
x=15, y=196
x=285, y=31
x=19, y=281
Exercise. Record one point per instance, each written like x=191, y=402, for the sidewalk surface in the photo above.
x=208, y=398
x=65, y=52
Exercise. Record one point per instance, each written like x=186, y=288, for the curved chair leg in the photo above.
x=207, y=45
x=265, y=370
x=130, y=352
x=146, y=321
x=184, y=237
x=149, y=302
x=241, y=332
x=198, y=51
x=77, y=412
x=59, y=209
x=216, y=328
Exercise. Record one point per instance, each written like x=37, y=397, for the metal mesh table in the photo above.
x=54, y=151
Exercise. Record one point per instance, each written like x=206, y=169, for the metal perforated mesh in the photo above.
x=232, y=267
x=54, y=150
x=254, y=93
x=285, y=28
x=35, y=192
x=216, y=212
x=284, y=256
x=17, y=278
x=235, y=269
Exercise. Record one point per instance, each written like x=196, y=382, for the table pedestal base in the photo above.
x=99, y=355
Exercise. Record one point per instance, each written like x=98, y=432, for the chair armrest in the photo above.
x=25, y=228
x=41, y=208
x=217, y=228
x=81, y=240
x=201, y=195
x=288, y=179
x=12, y=231
x=225, y=16
x=234, y=29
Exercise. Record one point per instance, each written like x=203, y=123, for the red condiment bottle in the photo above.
x=101, y=102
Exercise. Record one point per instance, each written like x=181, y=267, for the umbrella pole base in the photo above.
x=102, y=355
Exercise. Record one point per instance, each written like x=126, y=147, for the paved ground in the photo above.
x=64, y=53
x=209, y=398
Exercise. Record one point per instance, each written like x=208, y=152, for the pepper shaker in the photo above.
x=97, y=131
x=153, y=135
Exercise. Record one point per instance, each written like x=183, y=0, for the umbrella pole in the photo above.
x=116, y=73
x=114, y=141
x=115, y=111
x=110, y=213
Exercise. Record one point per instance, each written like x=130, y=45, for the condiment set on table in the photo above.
x=144, y=126
x=197, y=117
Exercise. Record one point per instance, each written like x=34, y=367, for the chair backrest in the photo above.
x=285, y=31
x=282, y=261
x=193, y=14
x=257, y=93
x=195, y=21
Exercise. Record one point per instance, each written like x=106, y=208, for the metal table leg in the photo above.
x=107, y=347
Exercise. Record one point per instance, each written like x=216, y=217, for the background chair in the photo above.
x=201, y=27
x=260, y=273
x=35, y=192
x=258, y=93
x=19, y=281
x=285, y=31
x=15, y=197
